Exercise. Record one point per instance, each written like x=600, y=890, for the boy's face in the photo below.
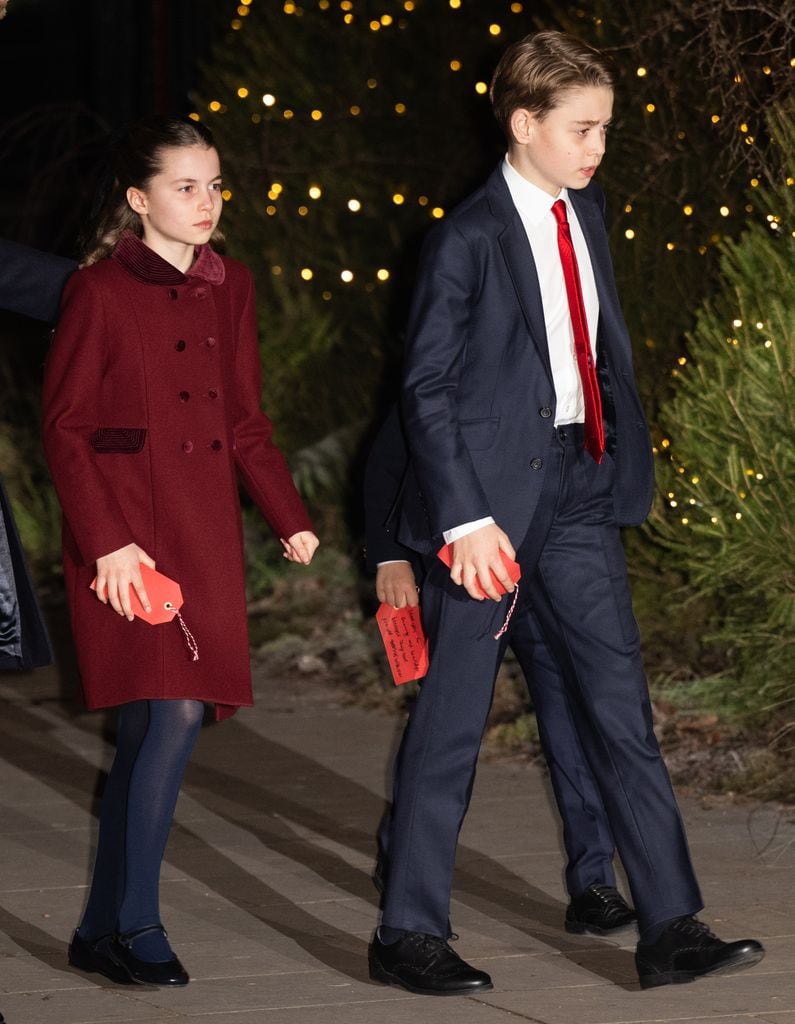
x=563, y=148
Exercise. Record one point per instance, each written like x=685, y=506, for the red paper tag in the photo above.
x=404, y=642
x=514, y=571
x=165, y=596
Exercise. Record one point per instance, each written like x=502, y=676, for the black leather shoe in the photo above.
x=426, y=965
x=600, y=910
x=94, y=958
x=146, y=972
x=687, y=950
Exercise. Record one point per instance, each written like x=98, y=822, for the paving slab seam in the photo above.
x=303, y=1006
x=510, y=1013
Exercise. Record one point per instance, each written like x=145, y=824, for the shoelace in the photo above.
x=432, y=945
x=692, y=926
x=608, y=895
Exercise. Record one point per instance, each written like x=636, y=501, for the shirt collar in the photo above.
x=145, y=265
x=532, y=202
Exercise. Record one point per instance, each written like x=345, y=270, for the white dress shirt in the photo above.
x=534, y=206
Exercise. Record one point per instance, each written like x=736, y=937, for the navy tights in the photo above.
x=153, y=743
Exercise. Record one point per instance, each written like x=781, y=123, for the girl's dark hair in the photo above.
x=133, y=161
x=537, y=71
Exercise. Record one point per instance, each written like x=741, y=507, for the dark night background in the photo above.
x=69, y=72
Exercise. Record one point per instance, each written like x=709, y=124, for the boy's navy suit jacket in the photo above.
x=478, y=396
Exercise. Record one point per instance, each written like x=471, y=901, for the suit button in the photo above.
x=211, y=343
x=536, y=463
x=184, y=396
x=200, y=293
x=173, y=293
x=212, y=393
x=187, y=447
x=180, y=346
x=545, y=413
x=216, y=446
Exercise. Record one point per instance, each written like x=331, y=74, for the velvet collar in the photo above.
x=145, y=265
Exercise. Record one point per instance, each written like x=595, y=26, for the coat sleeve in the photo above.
x=383, y=475
x=262, y=466
x=438, y=330
x=31, y=282
x=73, y=379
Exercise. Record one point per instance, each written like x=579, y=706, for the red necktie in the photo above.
x=594, y=427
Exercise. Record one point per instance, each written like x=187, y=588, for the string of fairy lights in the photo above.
x=272, y=108
x=267, y=106
x=346, y=10
x=695, y=500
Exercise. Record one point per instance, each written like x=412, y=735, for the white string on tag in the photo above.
x=504, y=628
x=193, y=647
x=190, y=640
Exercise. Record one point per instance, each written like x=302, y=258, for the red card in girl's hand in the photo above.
x=514, y=571
x=165, y=596
x=404, y=642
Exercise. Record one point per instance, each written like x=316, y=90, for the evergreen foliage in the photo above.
x=726, y=464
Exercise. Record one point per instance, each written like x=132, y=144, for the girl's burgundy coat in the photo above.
x=151, y=405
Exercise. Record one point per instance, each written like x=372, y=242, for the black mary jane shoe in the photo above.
x=146, y=972
x=94, y=958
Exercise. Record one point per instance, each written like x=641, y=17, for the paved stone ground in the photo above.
x=267, y=895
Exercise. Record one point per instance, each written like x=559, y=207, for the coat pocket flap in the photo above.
x=479, y=434
x=118, y=440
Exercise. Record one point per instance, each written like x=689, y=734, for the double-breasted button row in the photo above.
x=536, y=463
x=211, y=393
x=215, y=446
x=181, y=345
x=198, y=293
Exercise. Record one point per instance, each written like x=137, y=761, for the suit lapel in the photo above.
x=520, y=263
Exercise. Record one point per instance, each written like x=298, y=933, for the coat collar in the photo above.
x=145, y=265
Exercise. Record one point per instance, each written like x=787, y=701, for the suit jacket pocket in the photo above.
x=479, y=434
x=118, y=440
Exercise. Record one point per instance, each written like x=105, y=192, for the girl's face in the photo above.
x=181, y=206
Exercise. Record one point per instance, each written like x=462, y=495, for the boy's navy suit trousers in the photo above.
x=574, y=575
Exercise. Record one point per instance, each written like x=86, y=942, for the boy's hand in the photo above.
x=300, y=547
x=476, y=556
x=395, y=584
x=115, y=573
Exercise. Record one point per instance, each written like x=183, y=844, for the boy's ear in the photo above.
x=522, y=123
x=137, y=200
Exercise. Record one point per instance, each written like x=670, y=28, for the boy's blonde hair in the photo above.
x=535, y=72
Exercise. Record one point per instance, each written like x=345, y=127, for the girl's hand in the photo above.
x=300, y=547
x=115, y=573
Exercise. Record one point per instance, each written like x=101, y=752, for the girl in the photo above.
x=151, y=404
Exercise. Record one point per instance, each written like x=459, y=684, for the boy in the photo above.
x=528, y=441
